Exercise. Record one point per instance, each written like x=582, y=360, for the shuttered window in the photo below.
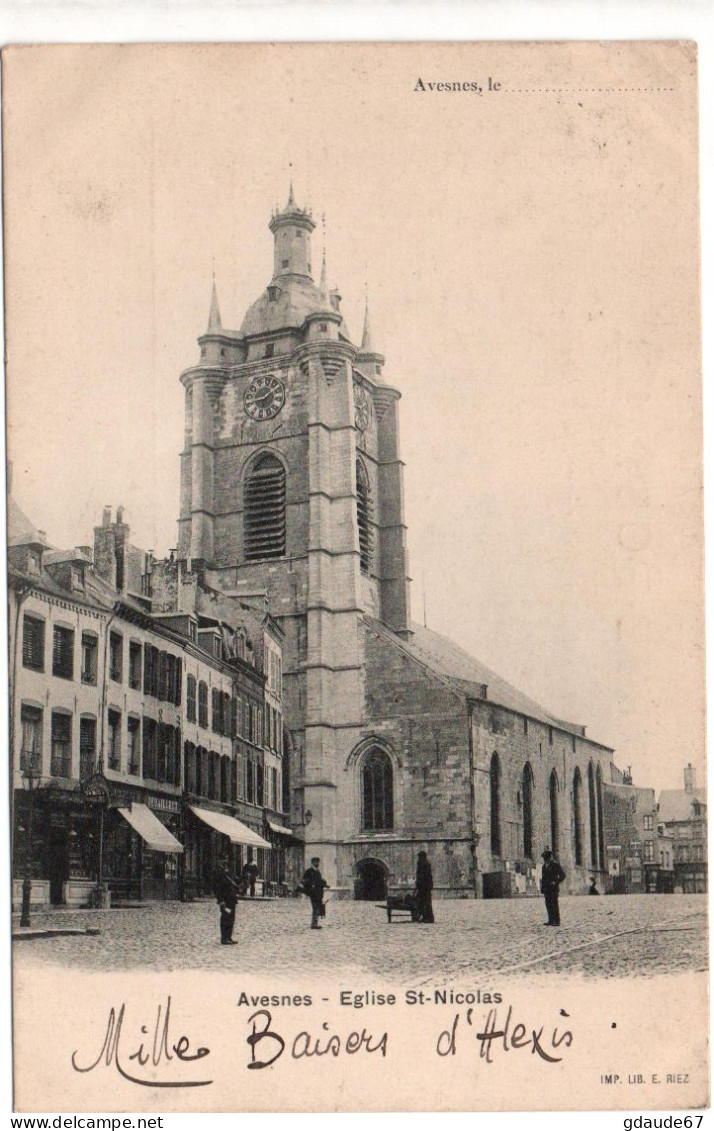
x=202, y=704
x=63, y=652
x=87, y=747
x=217, y=704
x=61, y=755
x=33, y=644
x=264, y=520
x=31, y=751
x=191, y=698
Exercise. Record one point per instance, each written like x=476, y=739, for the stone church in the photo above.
x=292, y=487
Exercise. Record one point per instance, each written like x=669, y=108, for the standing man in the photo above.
x=253, y=876
x=424, y=912
x=314, y=887
x=226, y=892
x=551, y=878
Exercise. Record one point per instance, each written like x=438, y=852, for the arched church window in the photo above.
x=592, y=806
x=578, y=816
x=527, y=791
x=264, y=517
x=364, y=514
x=554, y=828
x=600, y=834
x=495, y=783
x=377, y=791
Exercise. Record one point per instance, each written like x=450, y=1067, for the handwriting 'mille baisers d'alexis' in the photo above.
x=150, y=1049
x=499, y=1034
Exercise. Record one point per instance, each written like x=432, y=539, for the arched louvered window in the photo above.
x=264, y=518
x=527, y=791
x=578, y=816
x=377, y=791
x=554, y=826
x=495, y=783
x=364, y=515
x=592, y=806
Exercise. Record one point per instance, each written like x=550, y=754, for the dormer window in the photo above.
x=285, y=263
x=270, y=349
x=77, y=577
x=34, y=562
x=323, y=327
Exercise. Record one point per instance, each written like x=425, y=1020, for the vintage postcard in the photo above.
x=355, y=577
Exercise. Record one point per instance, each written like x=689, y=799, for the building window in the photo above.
x=495, y=791
x=87, y=747
x=33, y=643
x=525, y=725
x=216, y=711
x=89, y=658
x=649, y=851
x=377, y=791
x=77, y=578
x=270, y=349
x=134, y=665
x=61, y=754
x=578, y=816
x=554, y=823
x=34, y=562
x=274, y=788
x=550, y=739
x=202, y=704
x=132, y=751
x=273, y=293
x=364, y=515
x=116, y=643
x=63, y=652
x=149, y=749
x=648, y=823
x=527, y=789
x=191, y=698
x=31, y=749
x=114, y=740
x=264, y=521
x=285, y=262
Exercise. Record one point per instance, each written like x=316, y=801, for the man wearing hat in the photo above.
x=551, y=878
x=314, y=886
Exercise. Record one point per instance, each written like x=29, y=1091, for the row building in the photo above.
x=146, y=731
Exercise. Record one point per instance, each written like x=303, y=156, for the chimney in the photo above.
x=690, y=778
x=120, y=515
x=107, y=516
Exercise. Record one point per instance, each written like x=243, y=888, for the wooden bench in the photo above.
x=401, y=903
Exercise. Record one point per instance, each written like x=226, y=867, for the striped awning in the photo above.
x=155, y=835
x=236, y=831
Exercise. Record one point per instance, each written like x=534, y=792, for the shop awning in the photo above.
x=155, y=835
x=236, y=831
x=281, y=829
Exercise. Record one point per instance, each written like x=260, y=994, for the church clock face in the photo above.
x=362, y=407
x=264, y=397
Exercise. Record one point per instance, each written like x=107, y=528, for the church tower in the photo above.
x=291, y=484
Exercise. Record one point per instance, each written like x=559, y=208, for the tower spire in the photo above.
x=366, y=346
x=214, y=317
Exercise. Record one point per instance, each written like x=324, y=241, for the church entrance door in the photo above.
x=371, y=880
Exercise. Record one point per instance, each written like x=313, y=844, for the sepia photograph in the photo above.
x=355, y=577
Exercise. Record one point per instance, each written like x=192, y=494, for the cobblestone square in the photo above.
x=610, y=937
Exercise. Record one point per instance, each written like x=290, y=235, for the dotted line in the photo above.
x=592, y=90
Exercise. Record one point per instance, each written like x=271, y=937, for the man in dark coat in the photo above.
x=314, y=886
x=225, y=890
x=551, y=878
x=424, y=912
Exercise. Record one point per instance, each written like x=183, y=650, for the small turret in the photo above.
x=369, y=361
x=214, y=317
x=291, y=230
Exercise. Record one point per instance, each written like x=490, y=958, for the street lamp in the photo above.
x=30, y=780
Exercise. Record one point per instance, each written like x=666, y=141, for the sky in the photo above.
x=532, y=271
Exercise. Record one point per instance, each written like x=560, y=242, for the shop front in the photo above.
x=210, y=834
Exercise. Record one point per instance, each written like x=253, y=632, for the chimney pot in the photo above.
x=107, y=516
